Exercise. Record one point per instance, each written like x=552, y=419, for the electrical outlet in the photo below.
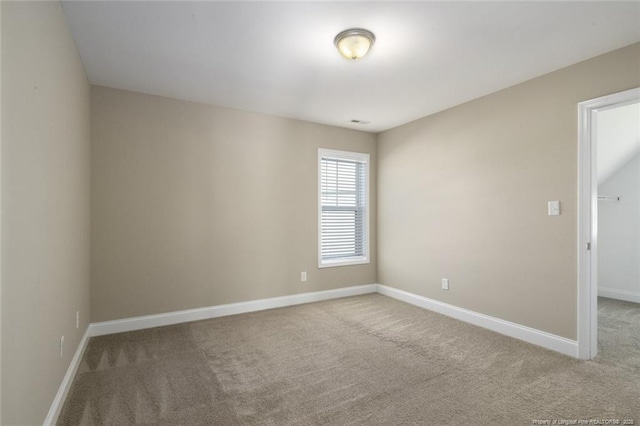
x=61, y=346
x=77, y=320
x=303, y=276
x=445, y=283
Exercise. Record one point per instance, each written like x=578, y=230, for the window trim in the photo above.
x=354, y=260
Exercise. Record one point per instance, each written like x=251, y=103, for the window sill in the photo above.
x=343, y=262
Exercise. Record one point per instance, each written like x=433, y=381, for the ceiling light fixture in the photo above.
x=354, y=43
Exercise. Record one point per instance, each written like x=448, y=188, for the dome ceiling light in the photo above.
x=354, y=43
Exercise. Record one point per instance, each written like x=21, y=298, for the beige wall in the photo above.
x=194, y=205
x=45, y=206
x=0, y=214
x=463, y=195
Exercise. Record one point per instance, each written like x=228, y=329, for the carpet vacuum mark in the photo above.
x=368, y=360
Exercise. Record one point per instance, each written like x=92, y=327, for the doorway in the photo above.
x=588, y=241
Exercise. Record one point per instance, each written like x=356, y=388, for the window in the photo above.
x=343, y=208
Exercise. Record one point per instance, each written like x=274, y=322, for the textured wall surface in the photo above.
x=463, y=195
x=194, y=205
x=45, y=206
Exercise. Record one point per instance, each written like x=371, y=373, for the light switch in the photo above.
x=445, y=283
x=554, y=208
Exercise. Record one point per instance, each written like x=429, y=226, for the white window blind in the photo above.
x=343, y=208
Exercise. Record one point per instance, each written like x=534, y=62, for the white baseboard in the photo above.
x=626, y=295
x=149, y=321
x=530, y=335
x=63, y=390
x=536, y=337
x=177, y=317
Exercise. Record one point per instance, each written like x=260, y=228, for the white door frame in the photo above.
x=588, y=217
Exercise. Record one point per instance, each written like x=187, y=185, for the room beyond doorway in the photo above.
x=588, y=238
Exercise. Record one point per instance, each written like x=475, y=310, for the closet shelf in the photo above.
x=608, y=198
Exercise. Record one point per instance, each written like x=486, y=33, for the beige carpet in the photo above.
x=368, y=360
x=619, y=334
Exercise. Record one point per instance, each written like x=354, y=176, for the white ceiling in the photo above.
x=618, y=138
x=278, y=57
